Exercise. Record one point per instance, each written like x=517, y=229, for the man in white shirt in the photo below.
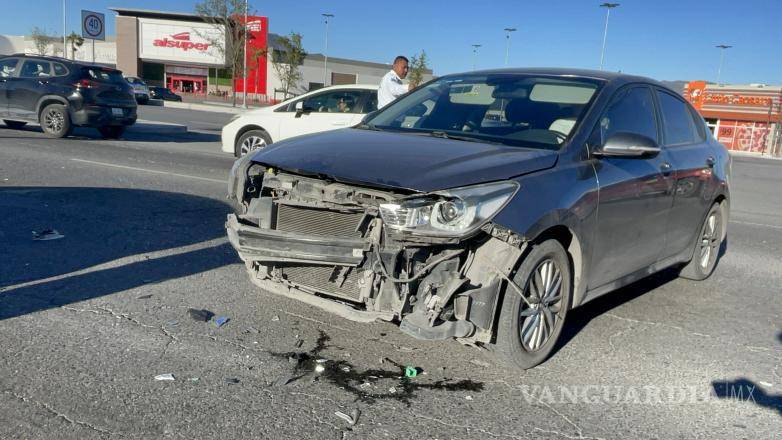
x=391, y=86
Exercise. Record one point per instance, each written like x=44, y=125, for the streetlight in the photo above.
x=608, y=7
x=244, y=69
x=475, y=55
x=507, y=43
x=64, y=31
x=722, y=48
x=326, y=47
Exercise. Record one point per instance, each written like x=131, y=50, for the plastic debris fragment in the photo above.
x=166, y=376
x=222, y=320
x=202, y=315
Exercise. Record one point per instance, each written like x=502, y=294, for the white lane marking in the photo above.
x=756, y=224
x=124, y=167
x=124, y=261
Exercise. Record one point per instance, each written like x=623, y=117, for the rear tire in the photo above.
x=55, y=121
x=526, y=335
x=708, y=246
x=16, y=125
x=250, y=141
x=112, y=131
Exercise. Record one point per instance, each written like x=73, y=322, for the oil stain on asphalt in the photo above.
x=344, y=375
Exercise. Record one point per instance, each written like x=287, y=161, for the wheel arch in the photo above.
x=574, y=247
x=49, y=99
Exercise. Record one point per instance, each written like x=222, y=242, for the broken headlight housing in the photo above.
x=452, y=213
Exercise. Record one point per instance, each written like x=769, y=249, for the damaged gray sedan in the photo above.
x=486, y=206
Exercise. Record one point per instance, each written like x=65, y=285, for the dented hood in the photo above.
x=402, y=160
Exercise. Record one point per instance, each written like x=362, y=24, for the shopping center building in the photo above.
x=744, y=118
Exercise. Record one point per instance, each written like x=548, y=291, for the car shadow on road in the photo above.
x=745, y=390
x=91, y=134
x=580, y=317
x=113, y=240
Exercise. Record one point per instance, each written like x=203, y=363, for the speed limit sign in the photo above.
x=93, y=25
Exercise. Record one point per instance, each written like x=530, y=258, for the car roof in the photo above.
x=58, y=59
x=348, y=86
x=615, y=78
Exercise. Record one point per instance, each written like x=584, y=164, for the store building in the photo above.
x=742, y=117
x=176, y=49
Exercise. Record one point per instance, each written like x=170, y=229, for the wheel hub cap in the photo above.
x=252, y=143
x=537, y=322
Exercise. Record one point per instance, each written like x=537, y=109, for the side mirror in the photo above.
x=628, y=145
x=300, y=109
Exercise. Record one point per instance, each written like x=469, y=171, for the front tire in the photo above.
x=16, y=125
x=112, y=131
x=707, y=249
x=250, y=141
x=55, y=121
x=528, y=333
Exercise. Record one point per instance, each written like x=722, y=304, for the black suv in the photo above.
x=60, y=94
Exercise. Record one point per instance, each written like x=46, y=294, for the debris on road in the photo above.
x=172, y=323
x=467, y=397
x=352, y=419
x=480, y=363
x=47, y=234
x=298, y=343
x=411, y=371
x=219, y=322
x=231, y=380
x=202, y=315
x=284, y=380
x=148, y=296
x=166, y=376
x=275, y=318
x=392, y=390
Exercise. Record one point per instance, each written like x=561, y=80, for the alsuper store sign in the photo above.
x=180, y=41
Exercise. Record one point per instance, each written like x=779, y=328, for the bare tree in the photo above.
x=227, y=17
x=41, y=40
x=418, y=67
x=287, y=61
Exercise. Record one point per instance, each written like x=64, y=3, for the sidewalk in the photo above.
x=737, y=153
x=207, y=106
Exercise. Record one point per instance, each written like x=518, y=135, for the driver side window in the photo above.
x=335, y=101
x=632, y=111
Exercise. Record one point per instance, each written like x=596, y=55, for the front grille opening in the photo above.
x=339, y=281
x=321, y=222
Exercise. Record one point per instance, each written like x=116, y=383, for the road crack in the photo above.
x=60, y=415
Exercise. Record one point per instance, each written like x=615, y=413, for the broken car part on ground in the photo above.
x=471, y=208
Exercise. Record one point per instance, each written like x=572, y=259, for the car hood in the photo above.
x=402, y=160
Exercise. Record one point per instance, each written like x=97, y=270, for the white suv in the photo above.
x=140, y=89
x=324, y=109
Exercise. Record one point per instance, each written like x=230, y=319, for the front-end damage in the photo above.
x=326, y=243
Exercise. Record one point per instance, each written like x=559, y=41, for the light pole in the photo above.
x=326, y=47
x=608, y=7
x=244, y=69
x=507, y=43
x=475, y=55
x=722, y=48
x=64, y=26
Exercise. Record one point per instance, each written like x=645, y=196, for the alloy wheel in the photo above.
x=54, y=121
x=710, y=240
x=544, y=293
x=251, y=143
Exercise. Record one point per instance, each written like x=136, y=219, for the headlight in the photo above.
x=452, y=213
x=232, y=178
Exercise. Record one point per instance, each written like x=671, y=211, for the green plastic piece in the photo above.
x=411, y=372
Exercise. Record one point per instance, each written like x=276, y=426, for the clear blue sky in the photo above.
x=664, y=39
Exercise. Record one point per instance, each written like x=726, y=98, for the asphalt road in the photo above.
x=89, y=320
x=195, y=120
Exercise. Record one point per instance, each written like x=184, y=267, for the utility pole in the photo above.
x=64, y=26
x=244, y=69
x=475, y=55
x=608, y=7
x=326, y=17
x=507, y=43
x=722, y=48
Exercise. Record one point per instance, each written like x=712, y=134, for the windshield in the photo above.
x=512, y=109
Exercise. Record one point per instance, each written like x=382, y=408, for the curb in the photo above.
x=204, y=107
x=144, y=126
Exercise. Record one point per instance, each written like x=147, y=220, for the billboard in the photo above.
x=257, y=34
x=180, y=42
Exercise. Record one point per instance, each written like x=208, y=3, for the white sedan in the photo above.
x=324, y=109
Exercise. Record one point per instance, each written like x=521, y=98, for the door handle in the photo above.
x=665, y=167
x=710, y=161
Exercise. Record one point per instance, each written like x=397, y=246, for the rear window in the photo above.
x=59, y=69
x=104, y=75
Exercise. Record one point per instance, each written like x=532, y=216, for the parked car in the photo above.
x=60, y=94
x=489, y=233
x=324, y=109
x=163, y=93
x=140, y=89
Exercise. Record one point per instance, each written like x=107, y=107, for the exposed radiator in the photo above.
x=314, y=221
x=325, y=279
